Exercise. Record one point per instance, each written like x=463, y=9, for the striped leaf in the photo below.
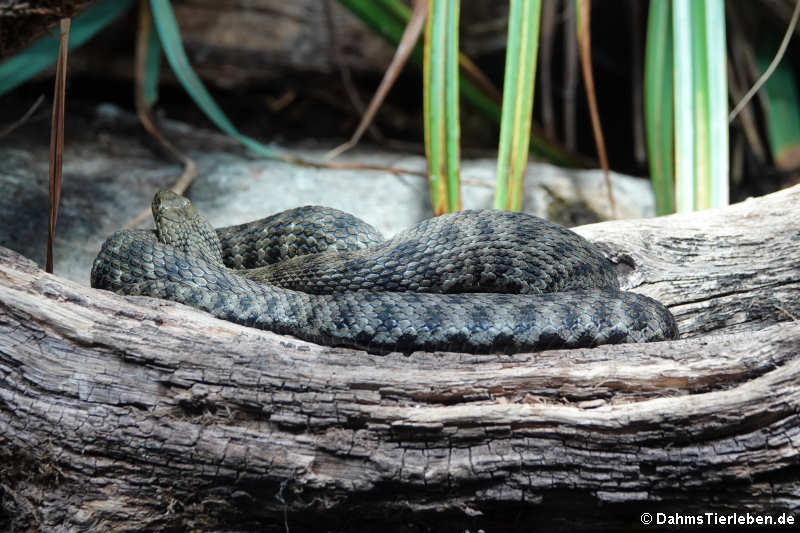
x=658, y=110
x=440, y=105
x=518, y=84
x=701, y=125
x=388, y=18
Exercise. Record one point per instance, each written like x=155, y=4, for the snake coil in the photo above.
x=476, y=281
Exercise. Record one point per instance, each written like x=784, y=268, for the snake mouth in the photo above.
x=169, y=215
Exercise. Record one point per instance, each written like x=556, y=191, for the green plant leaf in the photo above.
x=170, y=37
x=684, y=105
x=658, y=104
x=440, y=105
x=43, y=52
x=701, y=125
x=717, y=84
x=388, y=18
x=700, y=92
x=518, y=84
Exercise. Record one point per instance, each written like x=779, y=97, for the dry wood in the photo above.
x=121, y=413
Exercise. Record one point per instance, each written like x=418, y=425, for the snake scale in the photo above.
x=506, y=282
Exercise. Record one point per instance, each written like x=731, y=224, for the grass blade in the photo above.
x=170, y=37
x=683, y=75
x=701, y=126
x=702, y=147
x=453, y=124
x=440, y=105
x=388, y=19
x=658, y=104
x=518, y=84
x=717, y=94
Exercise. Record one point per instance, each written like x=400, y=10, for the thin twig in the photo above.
x=404, y=49
x=24, y=118
x=748, y=122
x=584, y=42
x=143, y=112
x=344, y=70
x=471, y=72
x=57, y=139
x=772, y=66
x=740, y=66
x=570, y=78
x=639, y=151
x=294, y=160
x=548, y=33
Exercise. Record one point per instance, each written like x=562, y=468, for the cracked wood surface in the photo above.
x=128, y=413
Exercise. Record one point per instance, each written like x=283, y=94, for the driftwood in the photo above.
x=120, y=413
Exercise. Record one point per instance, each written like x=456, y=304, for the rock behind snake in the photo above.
x=481, y=252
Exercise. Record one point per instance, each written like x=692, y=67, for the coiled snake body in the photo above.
x=530, y=284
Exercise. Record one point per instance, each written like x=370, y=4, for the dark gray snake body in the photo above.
x=563, y=292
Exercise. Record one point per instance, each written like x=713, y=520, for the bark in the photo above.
x=124, y=414
x=22, y=21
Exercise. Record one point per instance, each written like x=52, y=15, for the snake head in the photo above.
x=180, y=224
x=172, y=207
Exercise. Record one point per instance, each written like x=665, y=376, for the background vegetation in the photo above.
x=657, y=92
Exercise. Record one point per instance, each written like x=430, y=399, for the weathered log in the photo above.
x=121, y=413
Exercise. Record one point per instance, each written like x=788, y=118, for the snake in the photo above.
x=477, y=281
